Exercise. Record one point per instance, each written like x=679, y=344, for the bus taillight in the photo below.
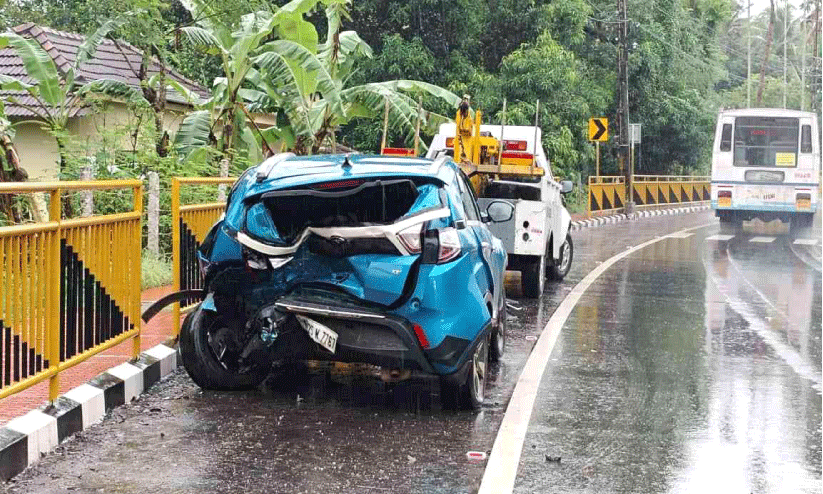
x=724, y=198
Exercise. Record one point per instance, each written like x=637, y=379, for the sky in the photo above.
x=761, y=5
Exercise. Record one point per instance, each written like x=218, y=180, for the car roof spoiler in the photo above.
x=265, y=168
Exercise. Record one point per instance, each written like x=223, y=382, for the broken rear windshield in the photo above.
x=282, y=216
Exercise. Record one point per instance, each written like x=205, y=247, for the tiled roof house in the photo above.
x=118, y=61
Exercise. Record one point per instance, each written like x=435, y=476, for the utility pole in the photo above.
x=785, y=47
x=623, y=103
x=749, y=55
x=803, y=41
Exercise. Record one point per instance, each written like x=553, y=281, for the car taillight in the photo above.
x=440, y=246
x=449, y=245
x=412, y=239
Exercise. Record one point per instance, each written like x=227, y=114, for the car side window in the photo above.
x=467, y=196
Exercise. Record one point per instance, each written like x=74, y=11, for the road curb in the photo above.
x=618, y=218
x=25, y=439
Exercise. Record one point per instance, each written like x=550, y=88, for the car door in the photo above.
x=491, y=249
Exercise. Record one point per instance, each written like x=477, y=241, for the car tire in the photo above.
x=201, y=363
x=466, y=389
x=531, y=278
x=497, y=343
x=558, y=269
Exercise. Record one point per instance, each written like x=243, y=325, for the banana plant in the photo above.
x=224, y=122
x=58, y=94
x=308, y=83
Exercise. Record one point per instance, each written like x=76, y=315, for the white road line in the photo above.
x=805, y=241
x=762, y=240
x=501, y=469
x=720, y=238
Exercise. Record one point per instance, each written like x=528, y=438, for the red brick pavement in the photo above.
x=156, y=331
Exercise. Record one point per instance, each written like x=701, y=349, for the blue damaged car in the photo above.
x=363, y=259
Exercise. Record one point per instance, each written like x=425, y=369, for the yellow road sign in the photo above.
x=599, y=129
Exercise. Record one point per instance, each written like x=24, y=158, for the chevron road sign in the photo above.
x=599, y=129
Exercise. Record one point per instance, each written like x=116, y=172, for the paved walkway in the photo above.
x=156, y=331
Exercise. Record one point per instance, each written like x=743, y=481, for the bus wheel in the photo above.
x=800, y=221
x=729, y=223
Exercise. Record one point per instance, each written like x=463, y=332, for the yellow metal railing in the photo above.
x=608, y=193
x=190, y=224
x=70, y=287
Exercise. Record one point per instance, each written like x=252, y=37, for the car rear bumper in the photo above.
x=365, y=335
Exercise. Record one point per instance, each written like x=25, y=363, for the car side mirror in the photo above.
x=500, y=211
x=566, y=186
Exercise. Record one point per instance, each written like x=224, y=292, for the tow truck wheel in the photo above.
x=498, y=339
x=559, y=268
x=203, y=338
x=531, y=278
x=466, y=389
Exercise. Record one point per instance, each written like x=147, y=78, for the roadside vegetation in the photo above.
x=329, y=69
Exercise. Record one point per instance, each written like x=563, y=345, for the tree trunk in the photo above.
x=769, y=38
x=224, y=172
x=156, y=96
x=153, y=221
x=87, y=173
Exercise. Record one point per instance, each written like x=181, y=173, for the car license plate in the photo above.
x=324, y=336
x=804, y=204
x=724, y=202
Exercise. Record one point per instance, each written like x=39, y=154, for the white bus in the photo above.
x=765, y=164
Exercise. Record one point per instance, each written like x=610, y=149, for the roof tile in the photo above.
x=113, y=60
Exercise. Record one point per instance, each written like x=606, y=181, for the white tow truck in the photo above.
x=508, y=162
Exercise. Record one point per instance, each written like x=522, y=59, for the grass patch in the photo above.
x=156, y=270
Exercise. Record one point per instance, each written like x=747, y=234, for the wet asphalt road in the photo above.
x=688, y=358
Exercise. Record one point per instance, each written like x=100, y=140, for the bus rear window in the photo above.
x=726, y=138
x=806, y=139
x=766, y=141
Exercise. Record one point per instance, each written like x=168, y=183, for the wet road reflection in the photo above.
x=691, y=366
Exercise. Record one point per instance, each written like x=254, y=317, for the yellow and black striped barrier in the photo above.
x=70, y=287
x=654, y=190
x=190, y=224
x=607, y=194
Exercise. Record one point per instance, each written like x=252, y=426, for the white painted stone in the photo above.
x=40, y=430
x=805, y=241
x=92, y=402
x=132, y=380
x=167, y=357
x=720, y=238
x=762, y=240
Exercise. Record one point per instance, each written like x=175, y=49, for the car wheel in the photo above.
x=211, y=358
x=497, y=344
x=558, y=269
x=466, y=390
x=531, y=278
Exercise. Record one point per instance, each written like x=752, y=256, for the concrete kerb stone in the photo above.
x=617, y=218
x=26, y=438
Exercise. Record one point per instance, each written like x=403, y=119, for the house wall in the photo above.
x=38, y=150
